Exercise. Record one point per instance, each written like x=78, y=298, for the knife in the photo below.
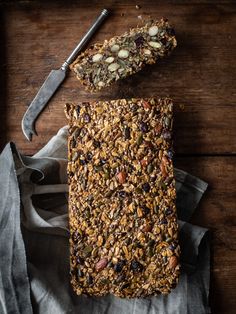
x=54, y=80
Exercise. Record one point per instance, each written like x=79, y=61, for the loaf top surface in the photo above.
x=102, y=64
x=123, y=223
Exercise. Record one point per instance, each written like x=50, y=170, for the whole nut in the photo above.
x=154, y=44
x=153, y=30
x=121, y=176
x=101, y=264
x=123, y=54
x=97, y=57
x=163, y=169
x=109, y=60
x=113, y=67
x=173, y=262
x=115, y=48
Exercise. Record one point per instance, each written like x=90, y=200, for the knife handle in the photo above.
x=86, y=38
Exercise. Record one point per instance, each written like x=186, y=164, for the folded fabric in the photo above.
x=34, y=247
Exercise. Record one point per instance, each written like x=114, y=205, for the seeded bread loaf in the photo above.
x=123, y=224
x=124, y=55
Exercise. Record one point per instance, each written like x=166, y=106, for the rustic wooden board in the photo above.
x=217, y=212
x=200, y=76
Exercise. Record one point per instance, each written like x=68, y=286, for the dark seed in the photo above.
x=78, y=110
x=87, y=250
x=110, y=264
x=168, y=240
x=96, y=144
x=124, y=286
x=163, y=41
x=72, y=272
x=163, y=185
x=90, y=199
x=139, y=245
x=168, y=211
x=109, y=193
x=75, y=236
x=131, y=168
x=87, y=213
x=146, y=187
x=136, y=266
x=151, y=243
x=134, y=108
x=106, y=173
x=121, y=194
x=89, y=156
x=156, y=209
x=76, y=133
x=83, y=162
x=127, y=241
x=140, y=139
x=148, y=144
x=163, y=222
x=138, y=190
x=150, y=168
x=153, y=178
x=102, y=162
x=156, y=112
x=127, y=133
x=80, y=260
x=144, y=127
x=172, y=247
x=86, y=118
x=80, y=273
x=73, y=143
x=150, y=252
x=98, y=168
x=168, y=180
x=82, y=132
x=90, y=279
x=170, y=154
x=145, y=210
x=104, y=281
x=170, y=31
x=118, y=267
x=165, y=259
x=139, y=41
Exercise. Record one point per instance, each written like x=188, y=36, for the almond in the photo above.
x=101, y=264
x=173, y=262
x=121, y=176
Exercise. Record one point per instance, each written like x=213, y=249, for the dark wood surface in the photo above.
x=200, y=76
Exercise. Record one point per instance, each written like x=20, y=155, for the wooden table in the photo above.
x=200, y=76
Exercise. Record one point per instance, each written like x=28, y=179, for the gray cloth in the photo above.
x=34, y=264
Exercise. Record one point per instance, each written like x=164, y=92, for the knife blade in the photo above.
x=54, y=80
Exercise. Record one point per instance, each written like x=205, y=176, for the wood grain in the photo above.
x=217, y=212
x=200, y=76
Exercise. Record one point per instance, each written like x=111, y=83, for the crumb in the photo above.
x=140, y=17
x=137, y=7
